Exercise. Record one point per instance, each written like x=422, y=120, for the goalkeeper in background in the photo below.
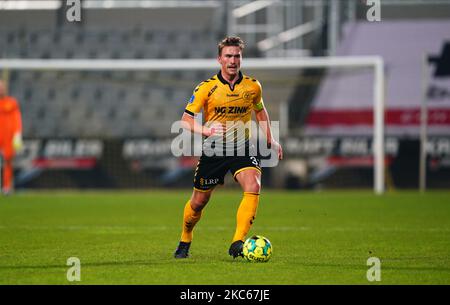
x=10, y=136
x=227, y=98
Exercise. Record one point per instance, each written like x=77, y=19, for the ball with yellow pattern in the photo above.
x=257, y=249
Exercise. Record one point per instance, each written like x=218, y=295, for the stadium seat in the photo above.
x=140, y=97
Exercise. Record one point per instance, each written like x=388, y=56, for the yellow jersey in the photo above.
x=221, y=102
x=230, y=105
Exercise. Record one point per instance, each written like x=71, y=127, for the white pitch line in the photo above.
x=128, y=229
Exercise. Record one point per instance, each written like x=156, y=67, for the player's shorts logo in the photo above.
x=208, y=181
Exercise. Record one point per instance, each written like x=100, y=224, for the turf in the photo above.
x=318, y=238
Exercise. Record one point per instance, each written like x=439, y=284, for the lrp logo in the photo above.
x=74, y=11
x=373, y=13
x=209, y=181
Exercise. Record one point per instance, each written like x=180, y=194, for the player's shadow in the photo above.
x=99, y=264
x=119, y=263
x=234, y=260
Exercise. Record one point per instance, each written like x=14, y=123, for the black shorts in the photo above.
x=211, y=171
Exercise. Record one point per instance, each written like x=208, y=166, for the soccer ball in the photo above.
x=257, y=249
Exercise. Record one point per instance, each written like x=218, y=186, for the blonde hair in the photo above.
x=231, y=41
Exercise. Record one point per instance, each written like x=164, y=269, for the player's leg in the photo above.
x=7, y=176
x=250, y=181
x=1, y=170
x=249, y=177
x=209, y=173
x=7, y=170
x=192, y=214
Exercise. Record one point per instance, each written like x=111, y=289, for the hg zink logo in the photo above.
x=230, y=110
x=373, y=13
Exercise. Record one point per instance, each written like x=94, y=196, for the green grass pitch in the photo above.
x=318, y=238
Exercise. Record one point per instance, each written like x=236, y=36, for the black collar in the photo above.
x=223, y=81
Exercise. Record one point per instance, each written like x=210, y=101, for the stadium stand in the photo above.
x=123, y=105
x=99, y=99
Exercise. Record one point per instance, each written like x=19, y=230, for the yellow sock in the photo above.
x=246, y=215
x=190, y=218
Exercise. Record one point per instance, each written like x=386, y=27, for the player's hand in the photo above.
x=216, y=129
x=277, y=147
x=17, y=142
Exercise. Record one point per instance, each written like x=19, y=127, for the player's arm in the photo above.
x=189, y=123
x=194, y=106
x=262, y=116
x=17, y=123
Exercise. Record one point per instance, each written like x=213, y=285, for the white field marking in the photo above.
x=143, y=228
x=133, y=228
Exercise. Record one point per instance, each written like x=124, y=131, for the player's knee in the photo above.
x=199, y=204
x=253, y=185
x=199, y=200
x=7, y=162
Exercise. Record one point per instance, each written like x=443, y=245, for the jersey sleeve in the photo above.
x=17, y=118
x=197, y=100
x=258, y=103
